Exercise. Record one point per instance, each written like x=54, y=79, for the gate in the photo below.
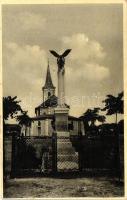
x=33, y=155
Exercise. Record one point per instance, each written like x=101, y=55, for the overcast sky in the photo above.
x=94, y=68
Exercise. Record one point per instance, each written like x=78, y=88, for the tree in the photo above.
x=24, y=120
x=114, y=105
x=11, y=107
x=91, y=116
x=121, y=126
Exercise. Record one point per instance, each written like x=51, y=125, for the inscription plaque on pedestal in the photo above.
x=61, y=119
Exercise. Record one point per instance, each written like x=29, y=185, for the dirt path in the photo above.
x=52, y=187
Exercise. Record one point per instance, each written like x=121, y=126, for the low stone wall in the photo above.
x=121, y=146
x=7, y=157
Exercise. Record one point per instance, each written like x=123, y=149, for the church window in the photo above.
x=39, y=123
x=39, y=128
x=39, y=131
x=71, y=126
x=49, y=94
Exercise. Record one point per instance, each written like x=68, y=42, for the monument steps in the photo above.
x=65, y=158
x=65, y=151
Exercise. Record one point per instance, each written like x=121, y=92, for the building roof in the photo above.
x=74, y=118
x=48, y=81
x=52, y=101
x=42, y=117
x=50, y=116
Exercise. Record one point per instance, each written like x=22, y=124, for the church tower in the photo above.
x=48, y=89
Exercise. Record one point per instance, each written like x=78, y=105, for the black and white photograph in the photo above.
x=63, y=100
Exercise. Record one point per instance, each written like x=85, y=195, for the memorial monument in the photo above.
x=67, y=157
x=61, y=112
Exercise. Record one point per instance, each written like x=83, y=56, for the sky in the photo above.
x=94, y=67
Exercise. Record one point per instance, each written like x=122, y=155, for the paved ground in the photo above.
x=61, y=187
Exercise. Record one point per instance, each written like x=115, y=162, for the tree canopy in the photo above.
x=11, y=107
x=114, y=105
x=92, y=115
x=24, y=119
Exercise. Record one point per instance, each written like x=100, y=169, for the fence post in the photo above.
x=118, y=154
x=13, y=156
x=80, y=154
x=54, y=152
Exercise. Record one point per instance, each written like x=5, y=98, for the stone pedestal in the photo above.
x=67, y=157
x=61, y=119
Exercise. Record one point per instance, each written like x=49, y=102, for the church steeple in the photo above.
x=48, y=81
x=48, y=88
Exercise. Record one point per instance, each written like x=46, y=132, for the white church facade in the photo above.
x=43, y=124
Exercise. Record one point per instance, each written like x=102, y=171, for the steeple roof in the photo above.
x=48, y=81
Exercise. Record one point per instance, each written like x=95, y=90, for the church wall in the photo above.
x=78, y=127
x=42, y=111
x=34, y=128
x=42, y=127
x=45, y=128
x=75, y=130
x=50, y=131
x=28, y=130
x=42, y=130
x=82, y=128
x=49, y=110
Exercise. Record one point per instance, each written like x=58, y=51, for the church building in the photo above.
x=43, y=124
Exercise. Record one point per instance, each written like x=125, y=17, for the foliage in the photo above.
x=24, y=119
x=107, y=129
x=90, y=117
x=11, y=107
x=121, y=126
x=93, y=115
x=114, y=105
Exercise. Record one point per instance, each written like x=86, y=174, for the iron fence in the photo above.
x=56, y=154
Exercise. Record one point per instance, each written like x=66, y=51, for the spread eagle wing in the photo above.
x=66, y=52
x=54, y=53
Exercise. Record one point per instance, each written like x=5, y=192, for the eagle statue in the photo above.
x=60, y=58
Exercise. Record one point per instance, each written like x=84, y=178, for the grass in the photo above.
x=63, y=187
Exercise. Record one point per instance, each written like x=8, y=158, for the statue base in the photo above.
x=67, y=157
x=61, y=119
